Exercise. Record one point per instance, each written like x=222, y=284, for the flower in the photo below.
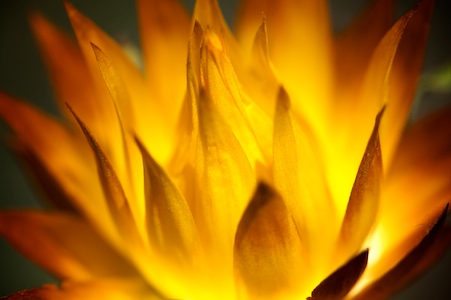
x=272, y=163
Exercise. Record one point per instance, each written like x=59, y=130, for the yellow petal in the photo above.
x=299, y=39
x=299, y=177
x=363, y=203
x=113, y=192
x=267, y=250
x=170, y=225
x=164, y=31
x=219, y=200
x=246, y=120
x=76, y=250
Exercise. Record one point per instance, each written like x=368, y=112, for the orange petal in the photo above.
x=62, y=244
x=69, y=163
x=339, y=283
x=267, y=251
x=419, y=174
x=404, y=75
x=105, y=288
x=113, y=192
x=170, y=225
x=431, y=247
x=364, y=200
x=354, y=48
x=68, y=70
x=164, y=30
x=300, y=39
x=299, y=177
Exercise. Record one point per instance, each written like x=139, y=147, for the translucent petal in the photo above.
x=77, y=251
x=363, y=203
x=299, y=177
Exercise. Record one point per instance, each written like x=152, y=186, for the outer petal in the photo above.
x=267, y=251
x=113, y=193
x=62, y=244
x=111, y=288
x=363, y=203
x=422, y=256
x=69, y=166
x=339, y=283
x=420, y=175
x=158, y=129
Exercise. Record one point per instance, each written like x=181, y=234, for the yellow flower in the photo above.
x=269, y=164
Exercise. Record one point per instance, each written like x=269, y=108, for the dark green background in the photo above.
x=22, y=74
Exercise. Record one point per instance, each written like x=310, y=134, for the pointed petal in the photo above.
x=154, y=122
x=364, y=200
x=421, y=257
x=404, y=75
x=105, y=288
x=339, y=283
x=220, y=163
x=113, y=192
x=62, y=244
x=170, y=225
x=299, y=176
x=354, y=48
x=248, y=122
x=264, y=86
x=128, y=164
x=267, y=251
x=299, y=39
x=70, y=77
x=39, y=135
x=164, y=30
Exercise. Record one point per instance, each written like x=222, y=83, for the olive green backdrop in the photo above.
x=22, y=74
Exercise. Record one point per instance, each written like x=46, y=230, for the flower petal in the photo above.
x=299, y=39
x=164, y=30
x=38, y=135
x=105, y=288
x=155, y=123
x=339, y=283
x=299, y=177
x=75, y=249
x=267, y=251
x=245, y=118
x=170, y=225
x=70, y=77
x=218, y=153
x=421, y=257
x=113, y=192
x=404, y=74
x=363, y=203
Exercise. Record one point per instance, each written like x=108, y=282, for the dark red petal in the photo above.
x=339, y=283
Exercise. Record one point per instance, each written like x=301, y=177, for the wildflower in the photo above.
x=271, y=163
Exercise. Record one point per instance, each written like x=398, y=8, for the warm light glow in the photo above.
x=271, y=163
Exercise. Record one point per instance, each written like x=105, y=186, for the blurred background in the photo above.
x=22, y=74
